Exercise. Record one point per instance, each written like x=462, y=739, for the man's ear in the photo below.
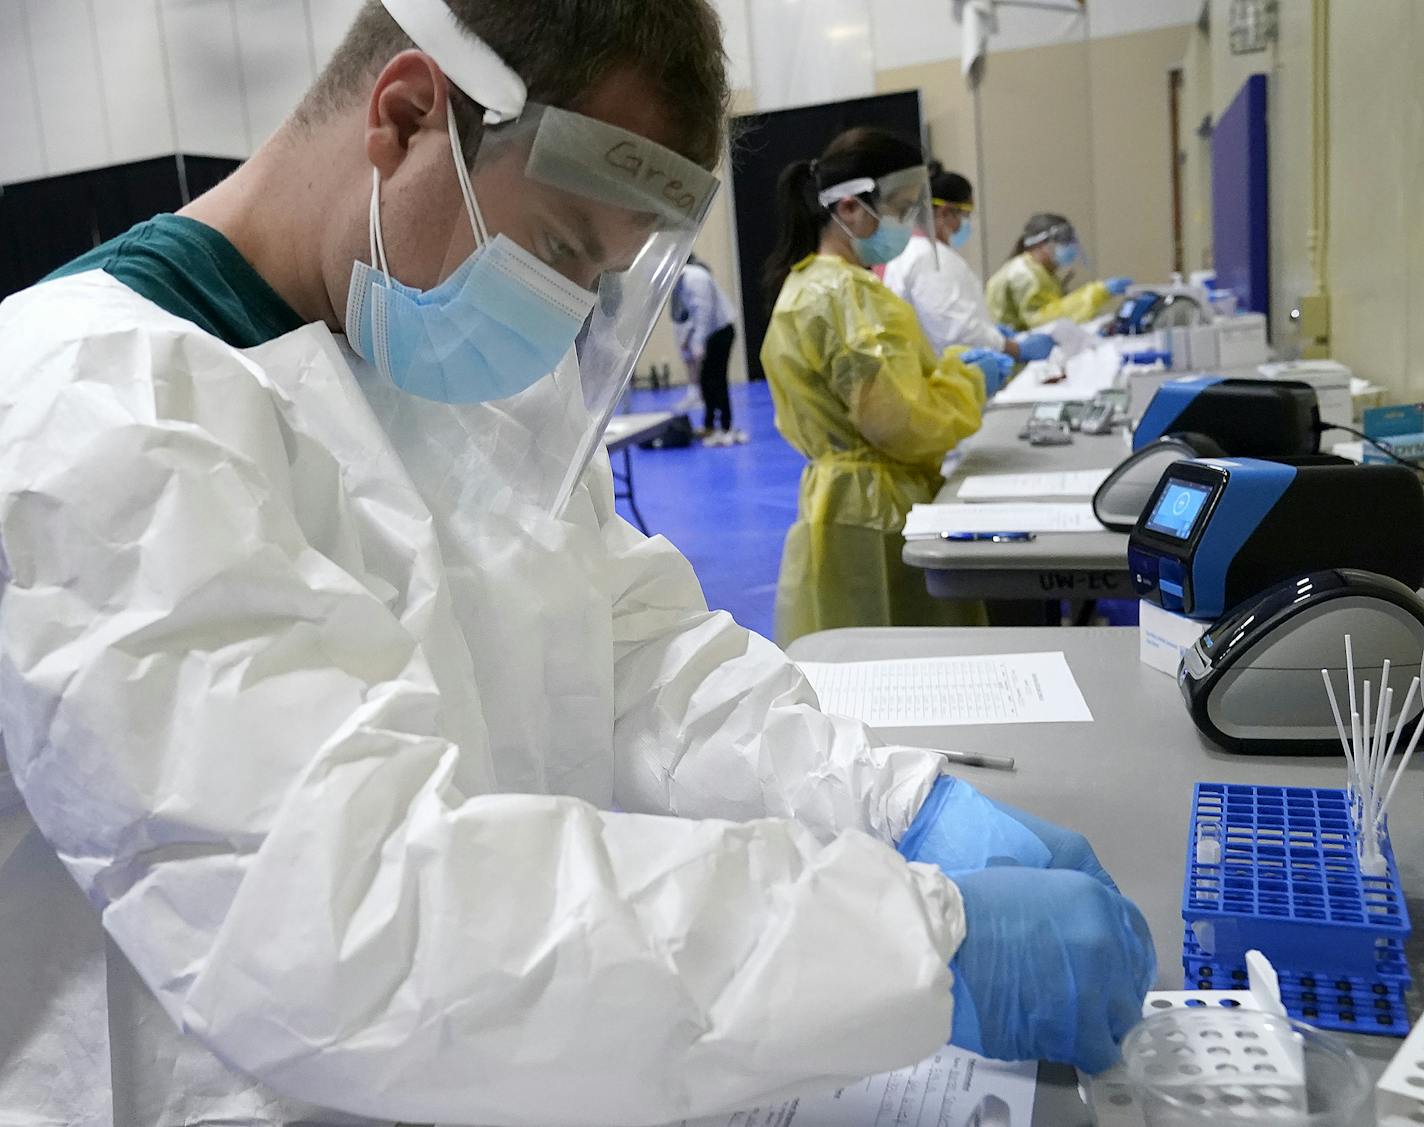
x=409, y=95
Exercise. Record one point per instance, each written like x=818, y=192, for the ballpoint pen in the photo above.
x=975, y=759
x=990, y=537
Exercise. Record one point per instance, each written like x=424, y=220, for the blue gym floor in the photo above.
x=726, y=508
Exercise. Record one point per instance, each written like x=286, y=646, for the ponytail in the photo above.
x=799, y=222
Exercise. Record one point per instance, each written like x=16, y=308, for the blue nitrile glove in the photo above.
x=1067, y=849
x=961, y=830
x=1118, y=286
x=1007, y=331
x=996, y=366
x=1054, y=966
x=1034, y=346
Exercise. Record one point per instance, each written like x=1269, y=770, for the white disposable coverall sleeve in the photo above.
x=236, y=748
x=712, y=717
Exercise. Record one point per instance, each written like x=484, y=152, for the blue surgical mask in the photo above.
x=500, y=323
x=885, y=244
x=1065, y=254
x=961, y=236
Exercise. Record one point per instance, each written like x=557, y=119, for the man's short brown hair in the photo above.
x=561, y=48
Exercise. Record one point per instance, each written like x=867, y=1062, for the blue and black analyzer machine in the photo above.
x=1245, y=418
x=1218, y=531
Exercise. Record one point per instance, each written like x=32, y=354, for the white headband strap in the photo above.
x=845, y=190
x=465, y=58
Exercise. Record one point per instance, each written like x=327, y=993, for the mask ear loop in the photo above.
x=865, y=207
x=472, y=206
x=378, y=245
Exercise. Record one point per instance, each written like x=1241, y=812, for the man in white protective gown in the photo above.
x=359, y=762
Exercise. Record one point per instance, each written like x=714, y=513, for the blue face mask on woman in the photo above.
x=500, y=323
x=885, y=244
x=961, y=236
x=1065, y=254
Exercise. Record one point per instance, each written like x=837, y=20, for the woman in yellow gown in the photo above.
x=858, y=389
x=1027, y=290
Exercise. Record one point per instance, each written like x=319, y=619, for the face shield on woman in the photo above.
x=580, y=230
x=900, y=201
x=1067, y=250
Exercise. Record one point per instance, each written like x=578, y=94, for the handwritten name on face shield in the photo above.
x=611, y=165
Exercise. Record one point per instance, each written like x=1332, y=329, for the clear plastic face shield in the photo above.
x=900, y=200
x=1067, y=250
x=608, y=210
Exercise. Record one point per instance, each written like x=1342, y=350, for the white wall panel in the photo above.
x=200, y=44
x=914, y=32
x=135, y=88
x=22, y=155
x=276, y=61
x=71, y=97
x=806, y=51
x=329, y=21
x=736, y=38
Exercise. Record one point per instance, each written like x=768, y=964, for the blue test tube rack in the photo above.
x=1279, y=872
x=1323, y=998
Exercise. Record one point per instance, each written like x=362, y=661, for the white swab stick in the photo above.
x=1403, y=763
x=1363, y=753
x=1399, y=727
x=1340, y=724
x=1355, y=737
x=1366, y=733
x=1381, y=760
x=1381, y=713
x=1350, y=671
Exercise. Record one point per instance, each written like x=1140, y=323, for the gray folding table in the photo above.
x=622, y=433
x=1057, y=565
x=1125, y=780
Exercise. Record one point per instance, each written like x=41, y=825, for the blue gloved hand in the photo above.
x=1118, y=286
x=1007, y=330
x=961, y=830
x=1067, y=849
x=1053, y=966
x=996, y=366
x=1034, y=346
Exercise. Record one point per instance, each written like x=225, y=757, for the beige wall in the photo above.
x=1093, y=146
x=1376, y=262
x=1375, y=268
x=1080, y=129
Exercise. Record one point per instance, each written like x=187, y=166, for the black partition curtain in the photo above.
x=45, y=223
x=765, y=144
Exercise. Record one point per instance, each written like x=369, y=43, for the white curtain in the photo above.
x=807, y=51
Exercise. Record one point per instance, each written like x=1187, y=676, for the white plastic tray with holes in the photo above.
x=1399, y=1096
x=1219, y=1065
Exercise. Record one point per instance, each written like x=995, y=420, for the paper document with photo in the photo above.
x=928, y=521
x=1065, y=483
x=943, y=1091
x=1031, y=688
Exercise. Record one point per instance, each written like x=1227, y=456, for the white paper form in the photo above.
x=925, y=522
x=1065, y=483
x=943, y=1091
x=1083, y=376
x=1030, y=688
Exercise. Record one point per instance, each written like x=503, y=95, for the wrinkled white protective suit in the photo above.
x=331, y=725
